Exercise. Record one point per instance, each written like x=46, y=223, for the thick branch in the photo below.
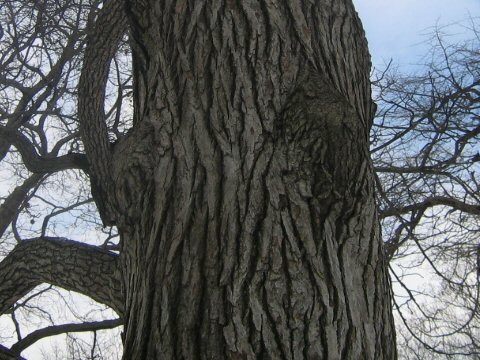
x=35, y=336
x=433, y=201
x=69, y=264
x=38, y=164
x=101, y=47
x=13, y=202
x=6, y=354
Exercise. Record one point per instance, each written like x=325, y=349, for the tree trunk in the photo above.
x=245, y=188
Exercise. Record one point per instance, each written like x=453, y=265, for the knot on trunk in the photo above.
x=323, y=138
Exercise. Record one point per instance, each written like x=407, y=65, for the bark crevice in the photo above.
x=75, y=266
x=261, y=210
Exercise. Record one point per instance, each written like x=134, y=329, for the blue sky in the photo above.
x=394, y=28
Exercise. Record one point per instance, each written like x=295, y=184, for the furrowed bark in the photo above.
x=250, y=228
x=13, y=202
x=71, y=265
x=101, y=47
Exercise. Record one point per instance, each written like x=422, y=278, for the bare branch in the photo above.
x=39, y=164
x=37, y=335
x=69, y=264
x=13, y=203
x=425, y=153
x=6, y=354
x=432, y=201
x=101, y=47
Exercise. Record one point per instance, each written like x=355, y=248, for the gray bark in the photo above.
x=12, y=204
x=103, y=39
x=71, y=265
x=244, y=191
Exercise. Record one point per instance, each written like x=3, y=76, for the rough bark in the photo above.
x=102, y=45
x=71, y=265
x=245, y=189
x=12, y=204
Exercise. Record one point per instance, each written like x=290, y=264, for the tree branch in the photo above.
x=38, y=164
x=37, y=335
x=6, y=354
x=12, y=204
x=432, y=201
x=101, y=47
x=69, y=264
x=32, y=97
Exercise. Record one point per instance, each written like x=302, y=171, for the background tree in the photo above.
x=425, y=146
x=43, y=168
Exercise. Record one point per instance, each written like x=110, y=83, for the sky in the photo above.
x=398, y=30
x=394, y=28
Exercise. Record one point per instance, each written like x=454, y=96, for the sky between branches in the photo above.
x=396, y=29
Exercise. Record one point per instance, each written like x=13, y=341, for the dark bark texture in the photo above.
x=244, y=192
x=69, y=264
x=103, y=40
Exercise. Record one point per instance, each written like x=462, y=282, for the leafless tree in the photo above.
x=44, y=174
x=425, y=146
